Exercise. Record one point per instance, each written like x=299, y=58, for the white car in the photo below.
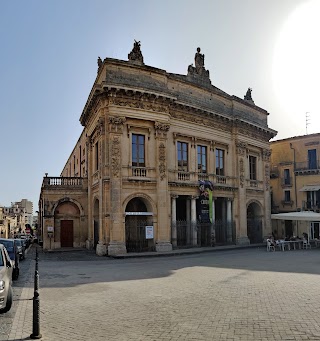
x=6, y=268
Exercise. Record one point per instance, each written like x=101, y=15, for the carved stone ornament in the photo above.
x=116, y=124
x=267, y=176
x=99, y=61
x=241, y=148
x=100, y=126
x=248, y=96
x=115, y=156
x=241, y=168
x=161, y=129
x=198, y=70
x=266, y=154
x=162, y=161
x=138, y=104
x=136, y=55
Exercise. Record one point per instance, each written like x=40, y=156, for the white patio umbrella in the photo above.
x=302, y=216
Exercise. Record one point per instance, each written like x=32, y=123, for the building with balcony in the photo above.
x=295, y=181
x=164, y=161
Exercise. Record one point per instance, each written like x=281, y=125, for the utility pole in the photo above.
x=307, y=121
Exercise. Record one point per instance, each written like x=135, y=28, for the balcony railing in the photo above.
x=139, y=172
x=183, y=176
x=256, y=184
x=72, y=182
x=307, y=165
x=286, y=182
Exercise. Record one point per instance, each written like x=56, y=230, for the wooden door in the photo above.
x=66, y=236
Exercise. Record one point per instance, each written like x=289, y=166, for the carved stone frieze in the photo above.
x=241, y=147
x=162, y=161
x=115, y=156
x=266, y=154
x=116, y=124
x=241, y=172
x=124, y=102
x=161, y=129
x=203, y=120
x=267, y=176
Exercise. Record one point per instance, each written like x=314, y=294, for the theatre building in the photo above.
x=164, y=161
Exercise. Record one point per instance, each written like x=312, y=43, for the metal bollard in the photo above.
x=36, y=304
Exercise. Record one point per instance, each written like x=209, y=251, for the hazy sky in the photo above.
x=49, y=51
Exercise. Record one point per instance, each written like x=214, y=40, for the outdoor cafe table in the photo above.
x=290, y=243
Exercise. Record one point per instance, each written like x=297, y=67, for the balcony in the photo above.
x=192, y=178
x=139, y=171
x=286, y=182
x=287, y=203
x=307, y=167
x=255, y=184
x=63, y=182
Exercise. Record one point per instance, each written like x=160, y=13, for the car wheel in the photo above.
x=9, y=302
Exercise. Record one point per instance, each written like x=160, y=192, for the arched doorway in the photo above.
x=67, y=223
x=254, y=223
x=95, y=223
x=137, y=218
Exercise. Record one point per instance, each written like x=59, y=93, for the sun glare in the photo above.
x=296, y=65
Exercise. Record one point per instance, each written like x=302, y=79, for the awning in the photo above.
x=310, y=188
x=303, y=215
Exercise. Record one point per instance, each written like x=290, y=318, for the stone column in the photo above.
x=89, y=241
x=241, y=237
x=117, y=230
x=101, y=248
x=174, y=220
x=194, y=220
x=164, y=234
x=266, y=153
x=188, y=219
x=213, y=223
x=229, y=220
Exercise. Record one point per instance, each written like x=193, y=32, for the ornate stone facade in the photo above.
x=150, y=137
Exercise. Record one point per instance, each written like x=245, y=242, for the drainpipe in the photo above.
x=295, y=180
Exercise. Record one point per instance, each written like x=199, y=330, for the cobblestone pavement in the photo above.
x=234, y=295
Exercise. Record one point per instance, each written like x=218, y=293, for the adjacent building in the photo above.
x=164, y=161
x=295, y=182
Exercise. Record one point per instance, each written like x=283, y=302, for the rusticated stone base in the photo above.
x=163, y=246
x=116, y=248
x=243, y=241
x=101, y=249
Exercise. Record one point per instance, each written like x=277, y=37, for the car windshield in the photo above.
x=18, y=241
x=1, y=258
x=8, y=245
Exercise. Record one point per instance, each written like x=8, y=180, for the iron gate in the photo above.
x=254, y=230
x=205, y=235
x=136, y=235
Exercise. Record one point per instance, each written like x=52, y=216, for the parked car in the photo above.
x=21, y=248
x=13, y=252
x=6, y=269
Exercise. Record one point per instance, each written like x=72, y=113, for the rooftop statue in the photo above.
x=248, y=96
x=199, y=60
x=198, y=71
x=99, y=61
x=135, y=54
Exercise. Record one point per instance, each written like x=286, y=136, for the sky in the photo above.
x=48, y=63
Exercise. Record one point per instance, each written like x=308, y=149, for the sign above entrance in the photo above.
x=139, y=213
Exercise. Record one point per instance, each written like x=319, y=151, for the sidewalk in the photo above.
x=22, y=323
